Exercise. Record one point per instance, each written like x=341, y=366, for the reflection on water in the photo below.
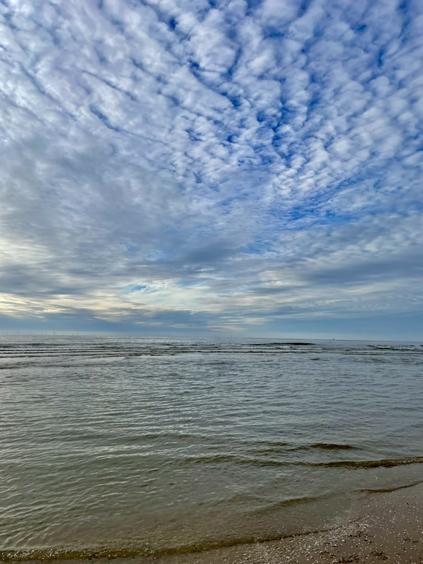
x=156, y=446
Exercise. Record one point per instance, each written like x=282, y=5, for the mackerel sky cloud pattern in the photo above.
x=211, y=166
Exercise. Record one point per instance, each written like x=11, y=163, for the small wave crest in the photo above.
x=290, y=502
x=332, y=446
x=116, y=552
x=364, y=464
x=352, y=464
x=392, y=488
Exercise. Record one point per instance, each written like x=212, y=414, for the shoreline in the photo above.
x=382, y=526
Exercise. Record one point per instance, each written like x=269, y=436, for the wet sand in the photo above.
x=383, y=526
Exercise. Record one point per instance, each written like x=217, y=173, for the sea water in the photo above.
x=117, y=445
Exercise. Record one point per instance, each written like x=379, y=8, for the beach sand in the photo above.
x=383, y=526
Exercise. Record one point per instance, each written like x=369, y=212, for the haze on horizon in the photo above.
x=226, y=167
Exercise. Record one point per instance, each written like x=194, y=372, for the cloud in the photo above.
x=238, y=162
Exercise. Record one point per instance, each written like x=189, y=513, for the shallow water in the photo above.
x=124, y=445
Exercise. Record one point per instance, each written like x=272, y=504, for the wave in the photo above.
x=332, y=446
x=282, y=343
x=290, y=502
x=115, y=552
x=364, y=464
x=275, y=448
x=399, y=348
x=391, y=488
x=352, y=464
x=71, y=363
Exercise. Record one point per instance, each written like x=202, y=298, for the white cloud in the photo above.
x=243, y=160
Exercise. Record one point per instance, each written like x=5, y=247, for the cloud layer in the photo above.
x=212, y=165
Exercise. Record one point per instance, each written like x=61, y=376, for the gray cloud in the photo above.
x=235, y=162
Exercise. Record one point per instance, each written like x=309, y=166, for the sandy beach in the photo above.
x=383, y=526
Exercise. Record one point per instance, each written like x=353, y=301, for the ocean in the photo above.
x=114, y=446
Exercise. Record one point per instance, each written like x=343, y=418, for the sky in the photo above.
x=233, y=167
